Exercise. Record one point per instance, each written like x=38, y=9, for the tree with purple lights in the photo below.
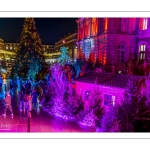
x=134, y=109
x=59, y=87
x=93, y=108
x=144, y=86
x=127, y=109
x=30, y=60
x=110, y=122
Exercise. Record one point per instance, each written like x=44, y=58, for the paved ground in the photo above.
x=41, y=121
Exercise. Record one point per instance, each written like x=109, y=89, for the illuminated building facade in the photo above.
x=114, y=42
x=70, y=42
x=8, y=53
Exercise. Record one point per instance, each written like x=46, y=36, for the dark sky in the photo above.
x=49, y=29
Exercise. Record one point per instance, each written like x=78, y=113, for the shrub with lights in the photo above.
x=134, y=111
x=93, y=109
x=110, y=121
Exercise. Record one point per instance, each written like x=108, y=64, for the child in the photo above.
x=22, y=101
x=8, y=104
x=34, y=98
x=28, y=99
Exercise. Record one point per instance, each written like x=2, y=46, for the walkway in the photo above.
x=41, y=121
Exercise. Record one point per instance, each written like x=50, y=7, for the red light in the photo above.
x=63, y=41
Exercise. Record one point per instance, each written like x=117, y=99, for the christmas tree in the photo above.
x=64, y=58
x=30, y=60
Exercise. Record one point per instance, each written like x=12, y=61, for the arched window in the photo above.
x=142, y=51
x=120, y=54
x=87, y=31
x=143, y=23
x=94, y=26
x=105, y=24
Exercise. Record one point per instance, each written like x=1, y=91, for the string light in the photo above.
x=30, y=43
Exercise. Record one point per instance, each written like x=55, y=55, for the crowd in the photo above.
x=28, y=95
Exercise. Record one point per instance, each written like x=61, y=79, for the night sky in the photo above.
x=49, y=29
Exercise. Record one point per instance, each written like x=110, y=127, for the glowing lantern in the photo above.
x=63, y=41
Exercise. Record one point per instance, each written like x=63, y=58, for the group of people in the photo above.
x=28, y=99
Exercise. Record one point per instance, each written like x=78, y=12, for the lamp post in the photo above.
x=28, y=124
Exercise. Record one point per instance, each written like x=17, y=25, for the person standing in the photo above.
x=11, y=87
x=8, y=104
x=28, y=99
x=22, y=101
x=1, y=81
x=34, y=98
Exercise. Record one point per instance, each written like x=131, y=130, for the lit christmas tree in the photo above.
x=30, y=60
x=64, y=58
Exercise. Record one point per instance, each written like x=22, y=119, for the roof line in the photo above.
x=111, y=75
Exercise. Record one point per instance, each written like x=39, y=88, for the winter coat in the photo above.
x=28, y=98
x=8, y=99
x=21, y=96
x=34, y=96
x=1, y=80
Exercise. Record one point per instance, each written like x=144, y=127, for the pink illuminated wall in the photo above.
x=82, y=87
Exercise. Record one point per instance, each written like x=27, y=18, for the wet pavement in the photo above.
x=41, y=121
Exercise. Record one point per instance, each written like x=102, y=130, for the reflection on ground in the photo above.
x=41, y=121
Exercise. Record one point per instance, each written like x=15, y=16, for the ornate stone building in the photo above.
x=115, y=42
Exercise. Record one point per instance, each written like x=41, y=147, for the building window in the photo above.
x=142, y=51
x=122, y=24
x=109, y=100
x=6, y=47
x=143, y=23
x=120, y=54
x=87, y=95
x=105, y=24
x=86, y=29
x=94, y=26
x=11, y=48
